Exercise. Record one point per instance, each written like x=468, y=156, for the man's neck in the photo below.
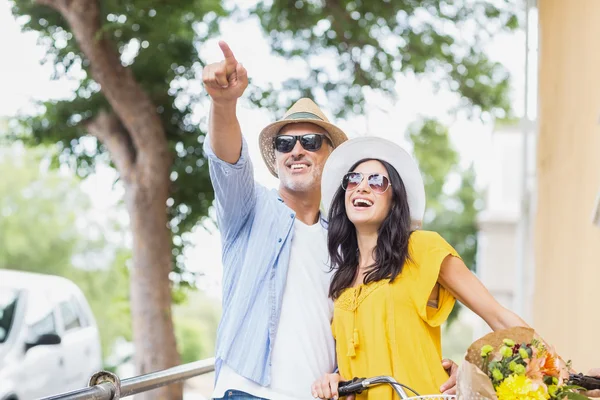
x=305, y=204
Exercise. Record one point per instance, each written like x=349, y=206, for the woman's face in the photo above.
x=366, y=204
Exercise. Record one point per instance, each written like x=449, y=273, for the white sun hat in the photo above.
x=348, y=153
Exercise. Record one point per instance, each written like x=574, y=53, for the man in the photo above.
x=274, y=338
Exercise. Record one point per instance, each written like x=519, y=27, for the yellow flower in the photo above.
x=485, y=350
x=520, y=369
x=509, y=342
x=519, y=387
x=523, y=353
x=497, y=374
x=506, y=351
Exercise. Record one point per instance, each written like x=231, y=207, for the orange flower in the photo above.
x=549, y=365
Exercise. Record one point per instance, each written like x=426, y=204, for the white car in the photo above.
x=49, y=341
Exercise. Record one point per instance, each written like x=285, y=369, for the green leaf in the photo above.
x=575, y=396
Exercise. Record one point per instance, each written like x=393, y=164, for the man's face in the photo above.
x=300, y=169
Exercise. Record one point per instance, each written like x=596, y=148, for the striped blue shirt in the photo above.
x=256, y=229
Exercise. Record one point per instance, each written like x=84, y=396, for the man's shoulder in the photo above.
x=268, y=199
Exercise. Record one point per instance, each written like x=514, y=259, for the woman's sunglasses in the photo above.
x=377, y=182
x=310, y=142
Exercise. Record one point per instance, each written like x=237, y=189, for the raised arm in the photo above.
x=225, y=82
x=230, y=167
x=464, y=285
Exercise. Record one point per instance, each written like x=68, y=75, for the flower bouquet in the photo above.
x=515, y=364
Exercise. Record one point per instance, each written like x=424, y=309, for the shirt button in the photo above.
x=291, y=215
x=279, y=241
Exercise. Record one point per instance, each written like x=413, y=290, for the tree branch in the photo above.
x=128, y=100
x=107, y=128
x=49, y=3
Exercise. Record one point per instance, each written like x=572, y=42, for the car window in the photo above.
x=39, y=316
x=8, y=306
x=70, y=314
x=84, y=318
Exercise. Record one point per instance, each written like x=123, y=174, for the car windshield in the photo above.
x=8, y=306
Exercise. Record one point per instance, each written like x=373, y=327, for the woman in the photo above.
x=394, y=285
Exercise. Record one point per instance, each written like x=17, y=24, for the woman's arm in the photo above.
x=464, y=285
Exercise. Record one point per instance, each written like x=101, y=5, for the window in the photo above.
x=8, y=306
x=70, y=314
x=39, y=316
x=81, y=311
x=42, y=327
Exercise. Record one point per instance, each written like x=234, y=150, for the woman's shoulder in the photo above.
x=421, y=240
x=428, y=247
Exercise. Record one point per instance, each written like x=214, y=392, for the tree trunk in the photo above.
x=153, y=333
x=136, y=140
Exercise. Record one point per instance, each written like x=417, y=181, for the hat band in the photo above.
x=303, y=115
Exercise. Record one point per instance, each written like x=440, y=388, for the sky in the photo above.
x=23, y=79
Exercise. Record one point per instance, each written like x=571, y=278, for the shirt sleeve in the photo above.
x=234, y=188
x=428, y=251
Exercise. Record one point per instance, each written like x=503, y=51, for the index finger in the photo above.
x=227, y=53
x=333, y=383
x=448, y=385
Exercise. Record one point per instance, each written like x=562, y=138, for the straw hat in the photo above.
x=304, y=110
x=349, y=153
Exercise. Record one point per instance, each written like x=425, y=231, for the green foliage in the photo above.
x=107, y=292
x=38, y=211
x=196, y=323
x=38, y=232
x=157, y=40
x=370, y=41
x=453, y=215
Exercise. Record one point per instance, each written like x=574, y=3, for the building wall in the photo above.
x=567, y=245
x=498, y=222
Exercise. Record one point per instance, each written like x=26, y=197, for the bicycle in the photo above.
x=358, y=385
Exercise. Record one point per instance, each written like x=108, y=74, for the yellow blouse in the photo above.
x=385, y=328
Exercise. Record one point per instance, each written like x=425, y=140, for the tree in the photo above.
x=452, y=214
x=132, y=60
x=372, y=41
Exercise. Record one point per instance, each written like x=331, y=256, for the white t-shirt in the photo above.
x=304, y=348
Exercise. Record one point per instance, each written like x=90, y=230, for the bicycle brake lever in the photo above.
x=354, y=386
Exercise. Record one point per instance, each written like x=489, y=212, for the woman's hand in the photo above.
x=593, y=393
x=327, y=387
x=449, y=387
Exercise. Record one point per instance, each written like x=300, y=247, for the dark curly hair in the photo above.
x=391, y=251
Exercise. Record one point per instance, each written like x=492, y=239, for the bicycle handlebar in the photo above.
x=585, y=381
x=355, y=386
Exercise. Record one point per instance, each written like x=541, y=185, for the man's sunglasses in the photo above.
x=377, y=182
x=310, y=142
